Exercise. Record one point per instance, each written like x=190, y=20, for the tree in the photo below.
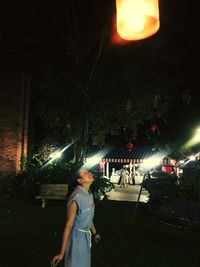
x=85, y=86
x=86, y=89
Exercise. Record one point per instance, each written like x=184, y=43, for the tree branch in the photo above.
x=96, y=61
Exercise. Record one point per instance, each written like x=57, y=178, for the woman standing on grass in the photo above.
x=76, y=241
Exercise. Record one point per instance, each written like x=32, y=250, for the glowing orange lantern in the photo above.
x=137, y=19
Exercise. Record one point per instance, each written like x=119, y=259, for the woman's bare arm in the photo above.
x=71, y=213
x=93, y=229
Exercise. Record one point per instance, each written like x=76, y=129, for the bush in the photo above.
x=187, y=187
x=163, y=185
x=190, y=184
x=26, y=183
x=100, y=186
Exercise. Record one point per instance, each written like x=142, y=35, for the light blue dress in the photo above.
x=78, y=250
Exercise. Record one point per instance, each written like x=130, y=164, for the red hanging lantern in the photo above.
x=153, y=127
x=130, y=146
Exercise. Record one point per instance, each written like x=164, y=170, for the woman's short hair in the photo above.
x=73, y=177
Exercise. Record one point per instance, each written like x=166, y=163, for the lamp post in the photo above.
x=148, y=164
x=146, y=174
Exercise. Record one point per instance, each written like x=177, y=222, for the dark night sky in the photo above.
x=179, y=24
x=172, y=54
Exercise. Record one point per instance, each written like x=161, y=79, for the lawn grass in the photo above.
x=30, y=235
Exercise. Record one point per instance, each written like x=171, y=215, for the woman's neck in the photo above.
x=86, y=187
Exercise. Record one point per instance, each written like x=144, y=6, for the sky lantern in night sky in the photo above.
x=137, y=19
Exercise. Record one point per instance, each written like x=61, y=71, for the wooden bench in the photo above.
x=52, y=191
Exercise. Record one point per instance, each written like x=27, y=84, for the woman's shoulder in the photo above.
x=75, y=194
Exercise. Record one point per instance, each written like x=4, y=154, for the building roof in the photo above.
x=123, y=155
x=177, y=155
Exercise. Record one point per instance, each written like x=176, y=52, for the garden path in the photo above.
x=129, y=193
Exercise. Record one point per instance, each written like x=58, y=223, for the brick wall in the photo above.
x=14, y=100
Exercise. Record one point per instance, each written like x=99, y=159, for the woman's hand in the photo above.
x=56, y=259
x=97, y=238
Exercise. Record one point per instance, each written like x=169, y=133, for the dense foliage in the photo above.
x=38, y=171
x=86, y=86
x=101, y=186
x=185, y=187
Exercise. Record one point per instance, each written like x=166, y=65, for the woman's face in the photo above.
x=85, y=177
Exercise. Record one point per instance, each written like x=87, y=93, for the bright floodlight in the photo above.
x=194, y=140
x=96, y=159
x=55, y=155
x=152, y=162
x=192, y=158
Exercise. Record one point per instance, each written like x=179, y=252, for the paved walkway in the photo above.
x=129, y=193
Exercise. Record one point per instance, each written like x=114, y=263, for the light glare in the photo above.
x=97, y=158
x=194, y=140
x=192, y=158
x=55, y=155
x=152, y=162
x=94, y=160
